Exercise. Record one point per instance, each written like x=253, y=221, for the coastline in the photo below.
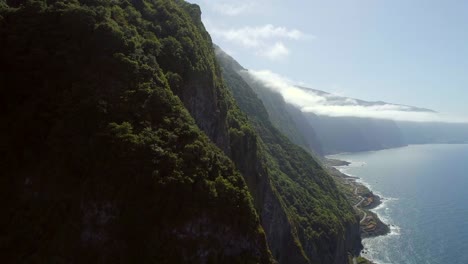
x=362, y=198
x=418, y=229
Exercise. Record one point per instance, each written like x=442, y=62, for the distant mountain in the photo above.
x=342, y=100
x=326, y=134
x=432, y=132
x=351, y=134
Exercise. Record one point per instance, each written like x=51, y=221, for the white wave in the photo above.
x=370, y=187
x=384, y=203
x=354, y=164
x=345, y=171
x=394, y=230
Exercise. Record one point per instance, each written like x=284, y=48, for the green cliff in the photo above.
x=324, y=226
x=103, y=164
x=121, y=143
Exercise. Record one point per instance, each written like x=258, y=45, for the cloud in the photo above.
x=277, y=51
x=267, y=41
x=324, y=104
x=257, y=36
x=239, y=7
x=234, y=9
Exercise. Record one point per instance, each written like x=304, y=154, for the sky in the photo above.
x=399, y=51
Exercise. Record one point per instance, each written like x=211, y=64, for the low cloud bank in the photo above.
x=324, y=104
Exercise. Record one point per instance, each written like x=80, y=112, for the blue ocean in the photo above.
x=425, y=191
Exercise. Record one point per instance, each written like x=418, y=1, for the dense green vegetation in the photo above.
x=320, y=215
x=103, y=163
x=122, y=143
x=361, y=260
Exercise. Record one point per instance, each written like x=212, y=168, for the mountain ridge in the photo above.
x=325, y=134
x=409, y=108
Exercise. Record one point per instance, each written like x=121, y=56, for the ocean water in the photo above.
x=425, y=191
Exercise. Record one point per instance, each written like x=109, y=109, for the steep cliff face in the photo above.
x=102, y=161
x=198, y=85
x=305, y=217
x=427, y=133
x=306, y=129
x=353, y=134
x=123, y=144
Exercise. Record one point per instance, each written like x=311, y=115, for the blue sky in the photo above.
x=407, y=52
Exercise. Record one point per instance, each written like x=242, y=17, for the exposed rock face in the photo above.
x=279, y=230
x=372, y=226
x=202, y=97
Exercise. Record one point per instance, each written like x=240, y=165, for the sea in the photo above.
x=425, y=202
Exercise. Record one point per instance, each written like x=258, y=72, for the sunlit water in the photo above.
x=425, y=188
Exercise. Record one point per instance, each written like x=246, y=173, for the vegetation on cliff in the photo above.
x=322, y=219
x=122, y=143
x=102, y=161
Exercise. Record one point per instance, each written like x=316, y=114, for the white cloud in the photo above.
x=277, y=51
x=257, y=36
x=238, y=7
x=337, y=106
x=234, y=9
x=267, y=41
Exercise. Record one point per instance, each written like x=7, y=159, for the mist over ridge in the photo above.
x=326, y=104
x=326, y=123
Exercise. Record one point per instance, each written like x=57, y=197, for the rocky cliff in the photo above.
x=122, y=143
x=354, y=134
x=102, y=161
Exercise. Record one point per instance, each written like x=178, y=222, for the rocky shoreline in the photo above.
x=362, y=198
x=336, y=163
